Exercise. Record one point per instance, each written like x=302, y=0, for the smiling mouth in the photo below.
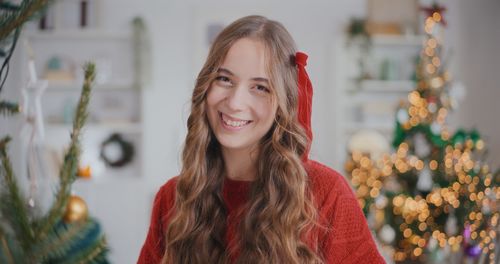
x=228, y=121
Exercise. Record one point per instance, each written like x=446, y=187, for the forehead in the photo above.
x=246, y=59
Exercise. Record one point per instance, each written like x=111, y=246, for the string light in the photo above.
x=471, y=186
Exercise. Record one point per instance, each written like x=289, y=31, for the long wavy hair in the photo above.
x=279, y=217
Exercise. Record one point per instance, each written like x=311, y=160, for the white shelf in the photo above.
x=75, y=86
x=398, y=40
x=385, y=86
x=125, y=127
x=381, y=126
x=78, y=34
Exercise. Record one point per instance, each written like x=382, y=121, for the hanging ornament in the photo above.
x=84, y=172
x=432, y=104
x=391, y=184
x=76, y=210
x=436, y=128
x=435, y=11
x=402, y=116
x=381, y=201
x=33, y=132
x=466, y=234
x=425, y=183
x=451, y=227
x=432, y=244
x=422, y=146
x=457, y=94
x=387, y=234
x=472, y=251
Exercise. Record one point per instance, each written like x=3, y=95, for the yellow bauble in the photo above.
x=76, y=210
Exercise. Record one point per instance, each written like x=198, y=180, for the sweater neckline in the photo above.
x=236, y=183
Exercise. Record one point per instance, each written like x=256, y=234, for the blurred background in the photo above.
x=363, y=56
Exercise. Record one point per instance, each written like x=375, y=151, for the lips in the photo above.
x=233, y=122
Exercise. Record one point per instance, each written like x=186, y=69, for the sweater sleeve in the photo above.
x=153, y=249
x=347, y=238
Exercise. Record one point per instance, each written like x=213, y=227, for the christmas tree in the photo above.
x=435, y=195
x=65, y=233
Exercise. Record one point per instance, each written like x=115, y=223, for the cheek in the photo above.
x=214, y=96
x=267, y=113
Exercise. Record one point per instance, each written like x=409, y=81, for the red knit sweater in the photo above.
x=347, y=239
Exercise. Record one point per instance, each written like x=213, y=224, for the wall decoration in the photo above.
x=117, y=152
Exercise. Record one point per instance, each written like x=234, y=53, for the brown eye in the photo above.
x=262, y=88
x=223, y=79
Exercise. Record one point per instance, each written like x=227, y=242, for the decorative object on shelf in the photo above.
x=447, y=204
x=357, y=29
x=76, y=210
x=60, y=69
x=117, y=152
x=84, y=6
x=70, y=14
x=392, y=17
x=142, y=53
x=370, y=142
x=48, y=19
x=389, y=70
x=357, y=33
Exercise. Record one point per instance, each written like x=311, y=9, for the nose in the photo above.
x=237, y=98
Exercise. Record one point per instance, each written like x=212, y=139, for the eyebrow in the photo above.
x=226, y=71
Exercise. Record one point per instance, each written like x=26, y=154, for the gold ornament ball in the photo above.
x=76, y=210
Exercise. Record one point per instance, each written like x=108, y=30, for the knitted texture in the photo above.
x=346, y=239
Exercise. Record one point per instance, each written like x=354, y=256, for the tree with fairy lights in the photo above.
x=435, y=198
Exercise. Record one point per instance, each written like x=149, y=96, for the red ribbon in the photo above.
x=305, y=99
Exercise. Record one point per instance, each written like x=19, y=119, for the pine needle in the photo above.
x=11, y=20
x=68, y=170
x=9, y=108
x=12, y=207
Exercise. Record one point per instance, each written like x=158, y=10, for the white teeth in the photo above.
x=235, y=123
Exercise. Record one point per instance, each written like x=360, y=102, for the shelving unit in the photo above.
x=371, y=102
x=116, y=103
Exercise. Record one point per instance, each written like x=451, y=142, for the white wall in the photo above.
x=477, y=65
x=473, y=28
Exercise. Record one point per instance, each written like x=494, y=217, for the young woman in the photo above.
x=247, y=192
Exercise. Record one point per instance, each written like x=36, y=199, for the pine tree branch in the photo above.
x=5, y=251
x=9, y=108
x=13, y=20
x=60, y=240
x=93, y=254
x=70, y=165
x=13, y=209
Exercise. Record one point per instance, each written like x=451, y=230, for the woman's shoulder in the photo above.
x=169, y=186
x=325, y=182
x=165, y=197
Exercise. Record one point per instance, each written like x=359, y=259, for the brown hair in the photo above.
x=279, y=213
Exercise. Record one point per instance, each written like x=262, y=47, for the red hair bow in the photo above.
x=305, y=99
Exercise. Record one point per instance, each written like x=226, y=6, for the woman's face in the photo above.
x=239, y=101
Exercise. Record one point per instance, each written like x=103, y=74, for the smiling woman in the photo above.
x=247, y=192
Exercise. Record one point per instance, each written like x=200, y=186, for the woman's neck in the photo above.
x=241, y=165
